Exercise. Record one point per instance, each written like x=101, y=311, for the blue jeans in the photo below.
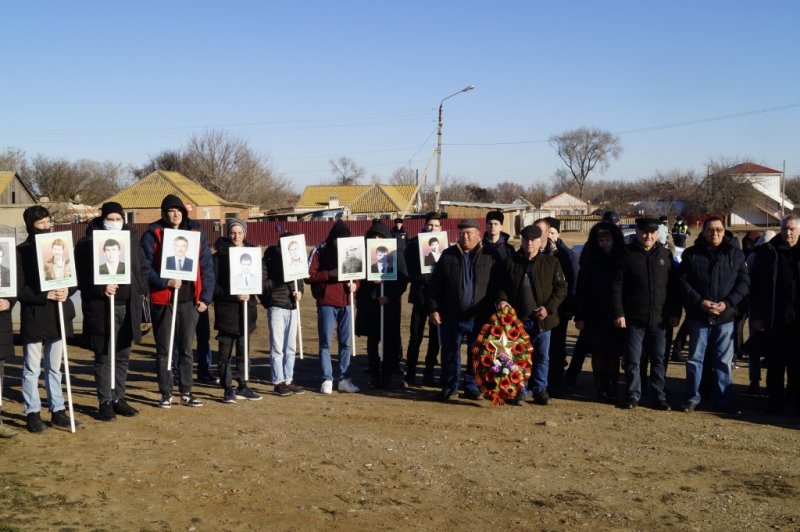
x=283, y=343
x=720, y=337
x=35, y=356
x=327, y=317
x=541, y=357
x=652, y=340
x=454, y=333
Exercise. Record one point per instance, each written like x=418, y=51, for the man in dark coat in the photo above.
x=460, y=300
x=419, y=314
x=713, y=280
x=229, y=315
x=644, y=294
x=534, y=285
x=193, y=299
x=495, y=238
x=95, y=301
x=775, y=309
x=40, y=327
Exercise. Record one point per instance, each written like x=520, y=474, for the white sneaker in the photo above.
x=327, y=387
x=346, y=385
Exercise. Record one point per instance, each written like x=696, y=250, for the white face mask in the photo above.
x=112, y=226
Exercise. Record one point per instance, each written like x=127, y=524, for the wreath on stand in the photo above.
x=502, y=356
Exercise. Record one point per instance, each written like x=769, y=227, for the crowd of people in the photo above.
x=625, y=298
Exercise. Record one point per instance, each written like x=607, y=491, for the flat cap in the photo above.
x=647, y=224
x=531, y=232
x=468, y=224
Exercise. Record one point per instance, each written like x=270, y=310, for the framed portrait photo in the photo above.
x=431, y=246
x=112, y=257
x=8, y=267
x=293, y=256
x=180, y=254
x=55, y=254
x=245, y=270
x=382, y=253
x=350, y=259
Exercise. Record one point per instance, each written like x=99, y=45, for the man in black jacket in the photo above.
x=713, y=280
x=495, y=238
x=96, y=315
x=40, y=327
x=534, y=285
x=419, y=315
x=645, y=300
x=775, y=309
x=460, y=300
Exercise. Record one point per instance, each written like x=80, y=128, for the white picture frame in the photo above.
x=427, y=256
x=174, y=242
x=351, y=258
x=382, y=253
x=8, y=267
x=245, y=275
x=112, y=251
x=293, y=257
x=55, y=255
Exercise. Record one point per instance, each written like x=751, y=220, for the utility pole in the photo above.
x=437, y=189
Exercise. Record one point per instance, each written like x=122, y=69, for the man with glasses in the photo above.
x=713, y=281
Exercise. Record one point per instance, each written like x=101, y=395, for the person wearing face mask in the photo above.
x=40, y=327
x=95, y=300
x=594, y=314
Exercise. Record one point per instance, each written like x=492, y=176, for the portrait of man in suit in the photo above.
x=5, y=273
x=245, y=278
x=112, y=252
x=57, y=266
x=383, y=260
x=432, y=257
x=180, y=261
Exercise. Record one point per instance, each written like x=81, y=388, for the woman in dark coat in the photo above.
x=594, y=314
x=229, y=314
x=95, y=300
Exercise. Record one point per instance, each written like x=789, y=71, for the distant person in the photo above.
x=680, y=232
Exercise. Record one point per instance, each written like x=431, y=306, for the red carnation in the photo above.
x=487, y=361
x=505, y=383
x=512, y=334
x=518, y=349
x=506, y=319
x=496, y=331
x=515, y=377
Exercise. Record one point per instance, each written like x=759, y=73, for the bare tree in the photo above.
x=345, y=171
x=793, y=188
x=675, y=186
x=13, y=160
x=169, y=160
x=724, y=187
x=404, y=176
x=583, y=150
x=227, y=166
x=536, y=193
x=508, y=191
x=83, y=181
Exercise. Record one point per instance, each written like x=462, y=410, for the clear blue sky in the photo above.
x=305, y=82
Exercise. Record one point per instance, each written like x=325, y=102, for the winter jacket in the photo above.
x=276, y=292
x=566, y=258
x=706, y=274
x=776, y=268
x=644, y=289
x=444, y=292
x=228, y=312
x=94, y=303
x=549, y=285
x=325, y=288
x=152, y=245
x=502, y=248
x=593, y=288
x=418, y=280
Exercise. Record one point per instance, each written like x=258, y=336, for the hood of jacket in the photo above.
x=378, y=230
x=171, y=201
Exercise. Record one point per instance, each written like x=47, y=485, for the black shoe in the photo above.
x=229, y=396
x=35, y=423
x=122, y=408
x=282, y=390
x=106, y=412
x=541, y=398
x=630, y=404
x=688, y=407
x=428, y=380
x=61, y=419
x=447, y=395
x=754, y=388
x=295, y=389
x=473, y=394
x=410, y=381
x=207, y=378
x=244, y=392
x=661, y=405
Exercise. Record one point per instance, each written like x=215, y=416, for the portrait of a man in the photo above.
x=432, y=257
x=179, y=261
x=352, y=261
x=245, y=278
x=383, y=261
x=58, y=265
x=112, y=253
x=5, y=272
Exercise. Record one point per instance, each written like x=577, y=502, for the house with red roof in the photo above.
x=767, y=202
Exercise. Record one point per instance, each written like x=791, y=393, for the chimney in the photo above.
x=333, y=202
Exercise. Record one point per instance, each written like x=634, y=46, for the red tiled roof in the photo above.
x=749, y=168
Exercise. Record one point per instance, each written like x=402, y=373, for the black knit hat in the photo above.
x=111, y=207
x=339, y=230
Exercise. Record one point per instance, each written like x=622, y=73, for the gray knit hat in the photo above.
x=238, y=222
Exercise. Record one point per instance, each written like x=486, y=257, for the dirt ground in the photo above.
x=394, y=460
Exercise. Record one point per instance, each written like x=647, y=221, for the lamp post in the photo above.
x=437, y=189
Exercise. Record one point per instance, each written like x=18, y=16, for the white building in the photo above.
x=764, y=207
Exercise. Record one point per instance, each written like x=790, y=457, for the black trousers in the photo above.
x=122, y=354
x=558, y=353
x=783, y=361
x=419, y=317
x=185, y=322
x=381, y=372
x=231, y=365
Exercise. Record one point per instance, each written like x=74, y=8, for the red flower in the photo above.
x=489, y=347
x=496, y=331
x=487, y=361
x=515, y=377
x=518, y=349
x=506, y=319
x=512, y=334
x=505, y=383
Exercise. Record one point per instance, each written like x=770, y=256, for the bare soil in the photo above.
x=394, y=460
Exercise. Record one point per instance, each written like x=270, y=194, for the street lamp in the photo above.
x=437, y=190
